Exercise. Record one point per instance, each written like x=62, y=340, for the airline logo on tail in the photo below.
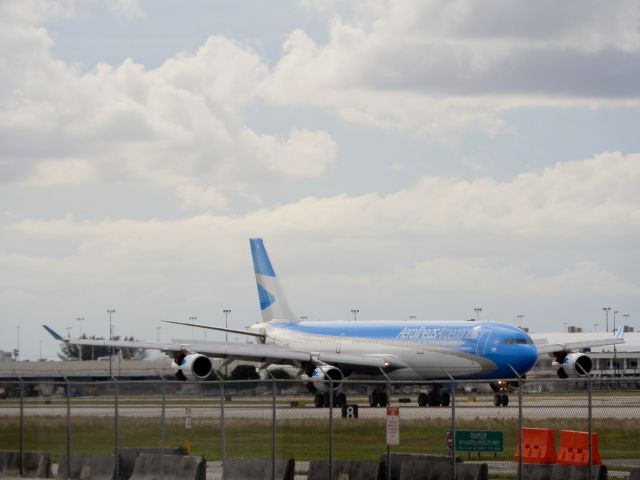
x=273, y=302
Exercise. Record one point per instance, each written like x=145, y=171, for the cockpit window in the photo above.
x=517, y=341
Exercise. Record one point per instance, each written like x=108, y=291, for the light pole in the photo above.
x=615, y=352
x=16, y=353
x=412, y=317
x=477, y=310
x=355, y=313
x=520, y=317
x=226, y=312
x=80, y=320
x=606, y=313
x=303, y=317
x=110, y=311
x=595, y=327
x=193, y=319
x=626, y=318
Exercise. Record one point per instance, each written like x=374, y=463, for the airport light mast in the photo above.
x=226, y=312
x=606, y=313
x=355, y=313
x=110, y=311
x=80, y=320
x=477, y=310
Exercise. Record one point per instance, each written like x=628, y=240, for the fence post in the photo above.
x=162, y=426
x=590, y=407
x=162, y=414
x=330, y=428
x=117, y=432
x=21, y=425
x=453, y=428
x=273, y=432
x=388, y=446
x=520, y=385
x=68, y=428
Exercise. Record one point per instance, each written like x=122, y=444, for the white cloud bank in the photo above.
x=572, y=203
x=180, y=124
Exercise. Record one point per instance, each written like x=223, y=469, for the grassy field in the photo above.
x=361, y=439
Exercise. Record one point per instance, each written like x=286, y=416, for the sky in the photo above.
x=400, y=158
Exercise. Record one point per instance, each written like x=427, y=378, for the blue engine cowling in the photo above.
x=326, y=377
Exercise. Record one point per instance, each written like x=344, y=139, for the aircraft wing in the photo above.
x=568, y=343
x=264, y=353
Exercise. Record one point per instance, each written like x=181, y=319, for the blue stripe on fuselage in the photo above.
x=486, y=339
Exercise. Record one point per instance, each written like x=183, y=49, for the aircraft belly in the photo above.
x=445, y=363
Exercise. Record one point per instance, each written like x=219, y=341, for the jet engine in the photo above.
x=319, y=379
x=192, y=367
x=574, y=365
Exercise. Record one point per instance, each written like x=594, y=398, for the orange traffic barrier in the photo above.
x=538, y=446
x=574, y=448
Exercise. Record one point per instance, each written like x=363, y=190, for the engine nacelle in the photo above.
x=574, y=365
x=320, y=377
x=189, y=367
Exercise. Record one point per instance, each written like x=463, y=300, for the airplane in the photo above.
x=328, y=352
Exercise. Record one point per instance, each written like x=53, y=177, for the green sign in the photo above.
x=476, y=441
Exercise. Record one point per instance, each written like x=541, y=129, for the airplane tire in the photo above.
x=433, y=399
x=318, y=400
x=382, y=399
x=505, y=399
x=497, y=400
x=373, y=399
x=422, y=399
x=341, y=400
x=445, y=399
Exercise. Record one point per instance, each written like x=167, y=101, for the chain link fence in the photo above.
x=279, y=419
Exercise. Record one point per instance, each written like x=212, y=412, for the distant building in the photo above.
x=6, y=356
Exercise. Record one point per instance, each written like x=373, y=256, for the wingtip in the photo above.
x=54, y=334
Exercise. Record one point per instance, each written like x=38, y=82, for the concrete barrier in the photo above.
x=127, y=458
x=258, y=469
x=87, y=467
x=353, y=470
x=418, y=470
x=536, y=471
x=396, y=460
x=34, y=464
x=153, y=466
x=578, y=472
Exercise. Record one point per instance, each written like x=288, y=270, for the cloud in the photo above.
x=201, y=197
x=175, y=125
x=129, y=9
x=439, y=68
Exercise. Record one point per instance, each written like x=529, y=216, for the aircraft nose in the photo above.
x=530, y=357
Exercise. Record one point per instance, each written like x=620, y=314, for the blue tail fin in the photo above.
x=273, y=302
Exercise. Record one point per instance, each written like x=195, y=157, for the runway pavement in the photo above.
x=618, y=407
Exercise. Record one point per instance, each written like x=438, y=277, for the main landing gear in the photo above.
x=501, y=400
x=322, y=399
x=378, y=398
x=434, y=398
